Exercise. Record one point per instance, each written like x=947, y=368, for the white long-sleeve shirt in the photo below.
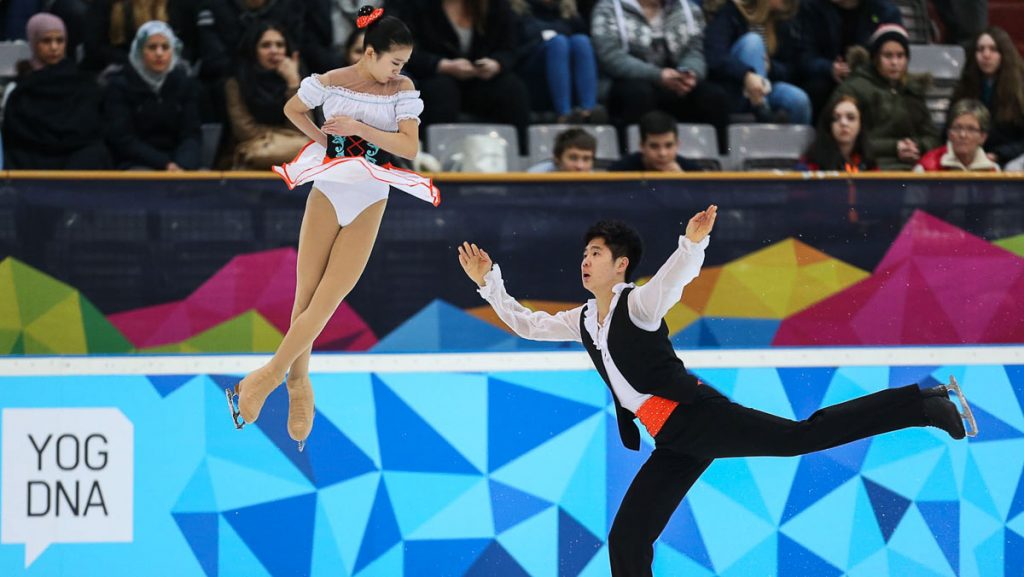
x=647, y=306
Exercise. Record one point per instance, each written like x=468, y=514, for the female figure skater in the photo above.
x=372, y=111
x=623, y=330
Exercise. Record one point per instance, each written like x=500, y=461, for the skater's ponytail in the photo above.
x=383, y=33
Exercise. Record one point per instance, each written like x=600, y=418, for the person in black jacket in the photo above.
x=659, y=148
x=623, y=330
x=750, y=49
x=464, y=60
x=828, y=28
x=151, y=109
x=327, y=27
x=51, y=118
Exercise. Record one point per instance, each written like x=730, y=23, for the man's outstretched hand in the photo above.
x=701, y=224
x=475, y=261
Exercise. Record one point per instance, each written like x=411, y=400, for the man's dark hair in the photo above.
x=656, y=122
x=574, y=138
x=621, y=239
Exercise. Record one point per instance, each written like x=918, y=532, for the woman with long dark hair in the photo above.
x=994, y=74
x=267, y=76
x=839, y=144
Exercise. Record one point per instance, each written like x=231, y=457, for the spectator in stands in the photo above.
x=897, y=126
x=151, y=109
x=995, y=76
x=968, y=127
x=229, y=19
x=751, y=52
x=112, y=24
x=268, y=75
x=828, y=28
x=574, y=151
x=654, y=54
x=558, y=60
x=659, y=148
x=354, y=47
x=328, y=28
x=839, y=144
x=51, y=115
x=464, y=60
x=963, y=19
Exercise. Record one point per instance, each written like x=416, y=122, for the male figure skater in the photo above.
x=692, y=424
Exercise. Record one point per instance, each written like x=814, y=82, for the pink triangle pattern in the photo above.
x=937, y=284
x=262, y=281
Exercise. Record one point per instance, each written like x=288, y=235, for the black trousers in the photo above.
x=707, y=103
x=503, y=99
x=714, y=427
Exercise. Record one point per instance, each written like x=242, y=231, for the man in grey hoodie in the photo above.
x=653, y=51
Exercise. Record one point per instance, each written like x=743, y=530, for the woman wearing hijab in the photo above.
x=151, y=108
x=51, y=116
x=267, y=76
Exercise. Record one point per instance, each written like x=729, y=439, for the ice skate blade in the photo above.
x=302, y=445
x=236, y=415
x=966, y=413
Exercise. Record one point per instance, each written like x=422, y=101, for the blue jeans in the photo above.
x=566, y=63
x=750, y=50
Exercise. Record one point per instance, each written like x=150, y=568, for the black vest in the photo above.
x=645, y=358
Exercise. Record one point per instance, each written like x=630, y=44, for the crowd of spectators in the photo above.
x=127, y=84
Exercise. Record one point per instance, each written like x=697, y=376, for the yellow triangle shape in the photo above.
x=807, y=255
x=733, y=298
x=781, y=254
x=770, y=285
x=60, y=328
x=679, y=317
x=10, y=315
x=265, y=336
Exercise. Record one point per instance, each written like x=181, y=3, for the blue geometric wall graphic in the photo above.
x=943, y=518
x=279, y=533
x=443, y=558
x=200, y=530
x=408, y=443
x=333, y=457
x=1015, y=374
x=510, y=407
x=576, y=545
x=899, y=376
x=1013, y=554
x=805, y=387
x=683, y=534
x=441, y=327
x=995, y=428
x=1017, y=505
x=816, y=477
x=889, y=507
x=797, y=561
x=850, y=455
x=511, y=506
x=496, y=562
x=381, y=530
x=225, y=502
x=167, y=384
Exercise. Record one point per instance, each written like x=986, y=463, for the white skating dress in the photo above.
x=351, y=172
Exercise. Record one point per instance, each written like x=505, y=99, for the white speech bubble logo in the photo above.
x=68, y=477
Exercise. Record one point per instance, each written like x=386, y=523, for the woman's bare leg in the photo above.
x=316, y=239
x=347, y=260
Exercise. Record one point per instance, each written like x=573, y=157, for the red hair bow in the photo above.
x=364, y=21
